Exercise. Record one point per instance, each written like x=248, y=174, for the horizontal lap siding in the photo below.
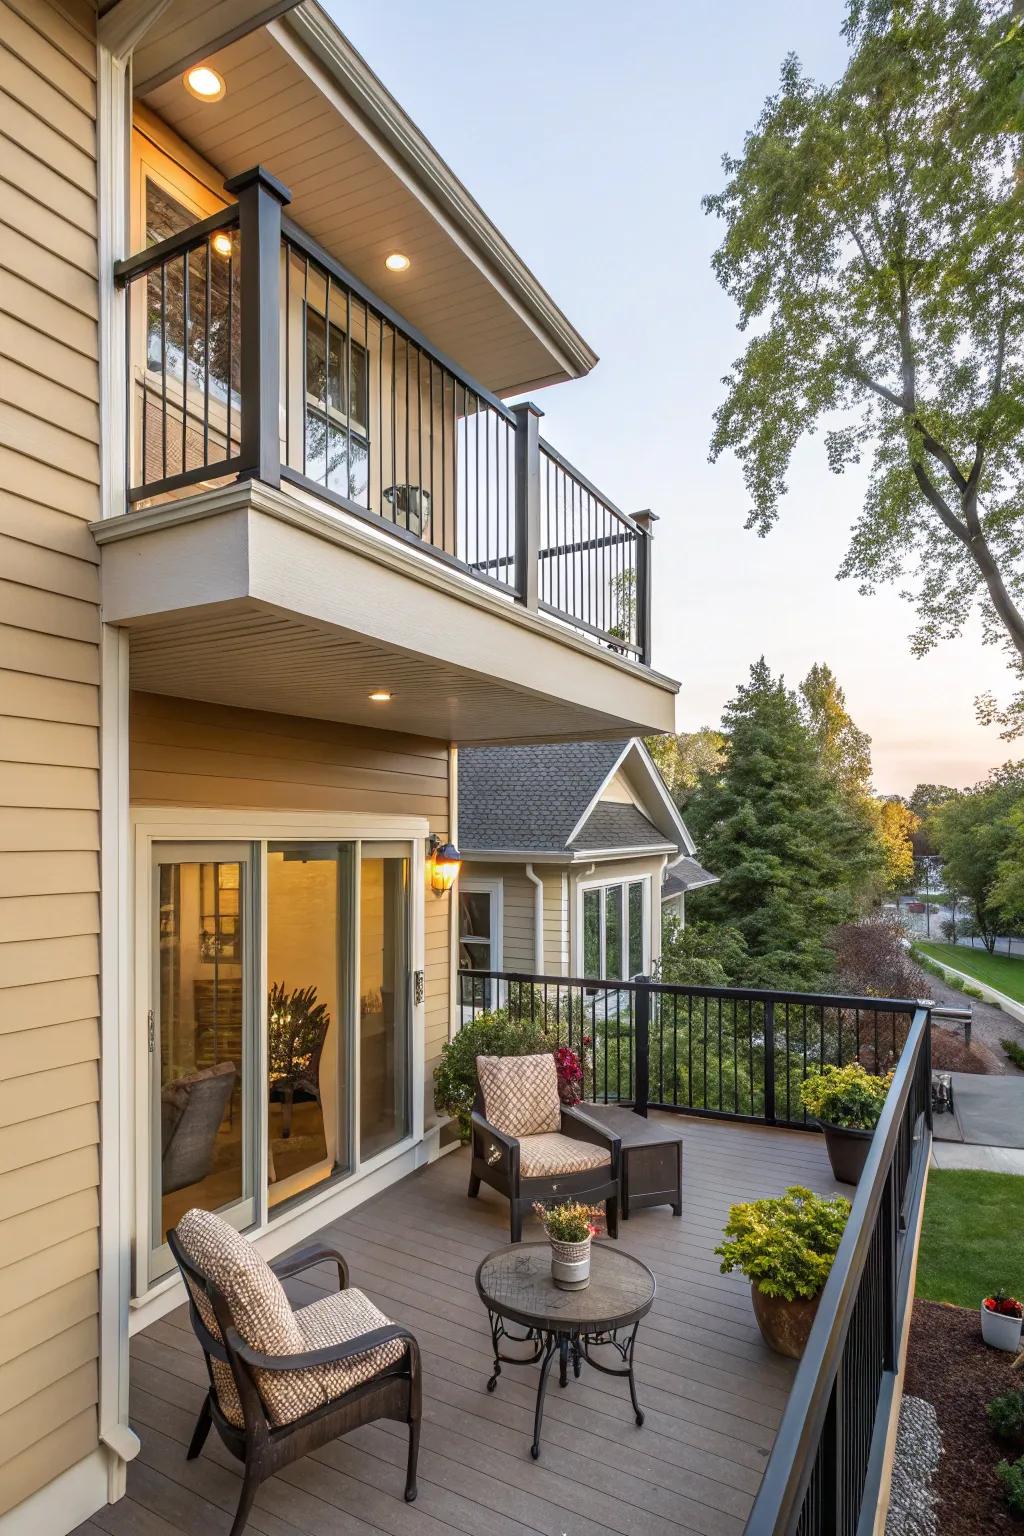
x=188, y=753
x=49, y=751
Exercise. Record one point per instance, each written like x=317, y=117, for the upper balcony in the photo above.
x=266, y=381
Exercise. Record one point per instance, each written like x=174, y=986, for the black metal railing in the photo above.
x=252, y=353
x=824, y=1473
x=719, y=1051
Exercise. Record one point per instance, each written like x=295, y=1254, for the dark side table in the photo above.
x=515, y=1286
x=651, y=1166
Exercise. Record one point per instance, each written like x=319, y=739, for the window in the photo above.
x=614, y=921
x=480, y=948
x=337, y=408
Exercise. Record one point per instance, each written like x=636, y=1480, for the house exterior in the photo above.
x=567, y=847
x=685, y=875
x=274, y=549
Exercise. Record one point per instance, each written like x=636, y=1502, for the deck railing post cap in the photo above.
x=646, y=520
x=527, y=408
x=258, y=174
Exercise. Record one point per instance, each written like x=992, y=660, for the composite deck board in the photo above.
x=713, y=1394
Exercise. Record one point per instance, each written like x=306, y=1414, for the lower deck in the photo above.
x=712, y=1392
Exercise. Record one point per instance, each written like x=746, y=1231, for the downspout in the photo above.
x=538, y=919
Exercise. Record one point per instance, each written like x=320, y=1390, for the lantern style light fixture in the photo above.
x=445, y=863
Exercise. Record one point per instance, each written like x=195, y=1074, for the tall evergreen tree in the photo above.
x=790, y=853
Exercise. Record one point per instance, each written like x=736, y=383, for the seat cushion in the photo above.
x=520, y=1093
x=545, y=1156
x=334, y=1320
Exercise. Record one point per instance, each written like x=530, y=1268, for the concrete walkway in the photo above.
x=986, y=1129
x=952, y=1154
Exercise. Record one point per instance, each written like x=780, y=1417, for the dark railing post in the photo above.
x=769, y=1061
x=527, y=503
x=645, y=522
x=260, y=200
x=642, y=1046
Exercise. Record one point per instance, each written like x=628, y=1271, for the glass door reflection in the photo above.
x=384, y=1012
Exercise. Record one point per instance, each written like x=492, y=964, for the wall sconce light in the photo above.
x=445, y=863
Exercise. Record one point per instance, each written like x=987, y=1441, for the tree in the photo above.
x=924, y=802
x=975, y=833
x=844, y=751
x=790, y=854
x=1007, y=893
x=895, y=828
x=873, y=244
x=684, y=760
x=701, y=954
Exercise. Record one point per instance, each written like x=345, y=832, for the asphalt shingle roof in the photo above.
x=684, y=876
x=611, y=825
x=529, y=798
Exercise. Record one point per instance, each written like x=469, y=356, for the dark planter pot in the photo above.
x=784, y=1325
x=847, y=1151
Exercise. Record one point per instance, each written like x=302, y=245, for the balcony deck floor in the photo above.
x=712, y=1392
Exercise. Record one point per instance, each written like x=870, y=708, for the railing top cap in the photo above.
x=258, y=174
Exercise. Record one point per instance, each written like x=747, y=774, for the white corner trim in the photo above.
x=61, y=1505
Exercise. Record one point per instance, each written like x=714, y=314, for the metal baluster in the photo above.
x=184, y=361
x=348, y=389
x=206, y=355
x=163, y=364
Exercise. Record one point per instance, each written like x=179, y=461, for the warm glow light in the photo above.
x=222, y=244
x=396, y=262
x=381, y=696
x=445, y=863
x=204, y=83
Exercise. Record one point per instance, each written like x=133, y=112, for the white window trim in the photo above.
x=495, y=889
x=152, y=825
x=625, y=881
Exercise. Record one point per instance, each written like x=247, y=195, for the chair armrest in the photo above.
x=581, y=1128
x=332, y=1355
x=305, y=1258
x=508, y=1145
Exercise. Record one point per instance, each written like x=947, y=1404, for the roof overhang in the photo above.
x=573, y=856
x=257, y=597
x=365, y=182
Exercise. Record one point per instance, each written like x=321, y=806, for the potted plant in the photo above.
x=846, y=1102
x=1001, y=1320
x=569, y=1228
x=785, y=1247
x=1006, y=1417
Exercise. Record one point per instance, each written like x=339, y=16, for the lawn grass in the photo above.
x=970, y=1242
x=1004, y=972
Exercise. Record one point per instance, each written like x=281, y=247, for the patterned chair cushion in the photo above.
x=263, y=1316
x=520, y=1093
x=542, y=1157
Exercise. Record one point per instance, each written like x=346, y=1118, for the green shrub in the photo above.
x=1011, y=1475
x=974, y=992
x=490, y=1034
x=1006, y=1415
x=785, y=1246
x=845, y=1096
x=1014, y=1051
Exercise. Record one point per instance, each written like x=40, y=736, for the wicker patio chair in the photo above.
x=191, y=1111
x=530, y=1146
x=284, y=1382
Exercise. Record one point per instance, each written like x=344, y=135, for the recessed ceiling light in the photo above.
x=222, y=243
x=204, y=83
x=381, y=695
x=396, y=262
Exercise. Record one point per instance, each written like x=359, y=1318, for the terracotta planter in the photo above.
x=784, y=1325
x=847, y=1151
x=1000, y=1331
x=570, y=1264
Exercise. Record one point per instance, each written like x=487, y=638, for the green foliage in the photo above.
x=684, y=761
x=873, y=247
x=701, y=954
x=1015, y=1051
x=971, y=1234
x=924, y=801
x=1005, y=1415
x=1007, y=892
x=296, y=1027
x=569, y=1222
x=1011, y=1475
x=845, y=1096
x=791, y=854
x=490, y=1034
x=785, y=1246
x=976, y=833
x=844, y=751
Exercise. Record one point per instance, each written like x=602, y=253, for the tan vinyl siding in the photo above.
x=183, y=752
x=556, y=921
x=49, y=751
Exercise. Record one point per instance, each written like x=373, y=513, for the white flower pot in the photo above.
x=570, y=1264
x=1000, y=1331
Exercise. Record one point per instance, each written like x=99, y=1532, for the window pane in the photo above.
x=636, y=928
x=475, y=954
x=475, y=914
x=384, y=1003
x=592, y=933
x=200, y=1022
x=307, y=1044
x=613, y=931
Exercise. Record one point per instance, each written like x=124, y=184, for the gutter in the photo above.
x=538, y=919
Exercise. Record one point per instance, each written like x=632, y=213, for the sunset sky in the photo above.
x=589, y=132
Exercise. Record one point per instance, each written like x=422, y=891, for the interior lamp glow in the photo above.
x=396, y=262
x=204, y=83
x=445, y=863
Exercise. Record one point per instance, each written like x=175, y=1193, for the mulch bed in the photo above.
x=950, y=1054
x=949, y=1366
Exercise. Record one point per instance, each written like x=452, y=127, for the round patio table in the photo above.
x=515, y=1285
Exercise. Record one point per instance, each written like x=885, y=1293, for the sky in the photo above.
x=589, y=132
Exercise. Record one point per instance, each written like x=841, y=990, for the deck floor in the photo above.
x=713, y=1394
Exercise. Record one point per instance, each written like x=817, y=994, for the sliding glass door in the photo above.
x=384, y=1013
x=201, y=1038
